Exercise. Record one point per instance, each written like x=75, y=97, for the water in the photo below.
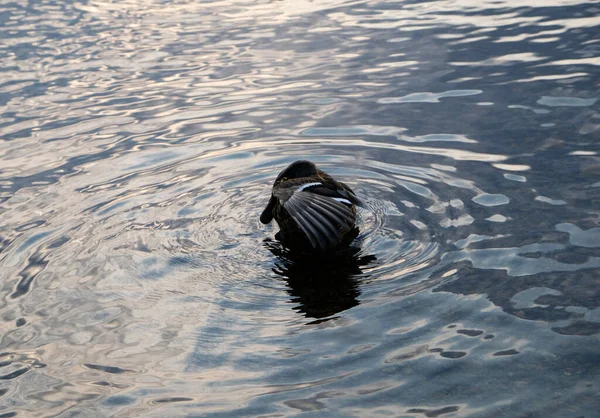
x=139, y=144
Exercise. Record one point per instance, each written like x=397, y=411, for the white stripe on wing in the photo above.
x=341, y=199
x=307, y=185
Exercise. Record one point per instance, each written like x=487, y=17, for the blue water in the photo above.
x=138, y=145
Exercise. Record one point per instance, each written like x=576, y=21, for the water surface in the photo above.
x=138, y=144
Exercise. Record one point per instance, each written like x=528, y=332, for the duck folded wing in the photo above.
x=323, y=219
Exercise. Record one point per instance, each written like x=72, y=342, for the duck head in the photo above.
x=295, y=170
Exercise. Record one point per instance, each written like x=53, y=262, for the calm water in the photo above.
x=138, y=144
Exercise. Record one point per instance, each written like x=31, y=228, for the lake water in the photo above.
x=138, y=144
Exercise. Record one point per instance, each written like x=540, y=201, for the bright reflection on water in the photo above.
x=138, y=144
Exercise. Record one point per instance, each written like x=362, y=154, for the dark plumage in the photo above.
x=313, y=211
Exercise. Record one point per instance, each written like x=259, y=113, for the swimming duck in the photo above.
x=314, y=212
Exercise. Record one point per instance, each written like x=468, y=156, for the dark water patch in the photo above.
x=173, y=399
x=30, y=225
x=470, y=332
x=307, y=405
x=433, y=412
x=579, y=328
x=107, y=369
x=502, y=353
x=408, y=354
x=5, y=242
x=118, y=400
x=14, y=374
x=453, y=354
x=37, y=263
x=58, y=242
x=109, y=384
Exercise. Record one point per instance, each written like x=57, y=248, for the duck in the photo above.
x=314, y=212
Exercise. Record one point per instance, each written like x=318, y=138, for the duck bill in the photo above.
x=267, y=215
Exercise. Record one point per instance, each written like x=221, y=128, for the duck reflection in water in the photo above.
x=321, y=285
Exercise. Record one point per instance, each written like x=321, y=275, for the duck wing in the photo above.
x=347, y=192
x=324, y=215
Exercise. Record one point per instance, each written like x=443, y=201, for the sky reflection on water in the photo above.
x=138, y=143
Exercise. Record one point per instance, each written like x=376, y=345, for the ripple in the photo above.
x=514, y=177
x=428, y=97
x=139, y=145
x=555, y=202
x=565, y=101
x=107, y=369
x=434, y=412
x=502, y=353
x=577, y=236
x=487, y=199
